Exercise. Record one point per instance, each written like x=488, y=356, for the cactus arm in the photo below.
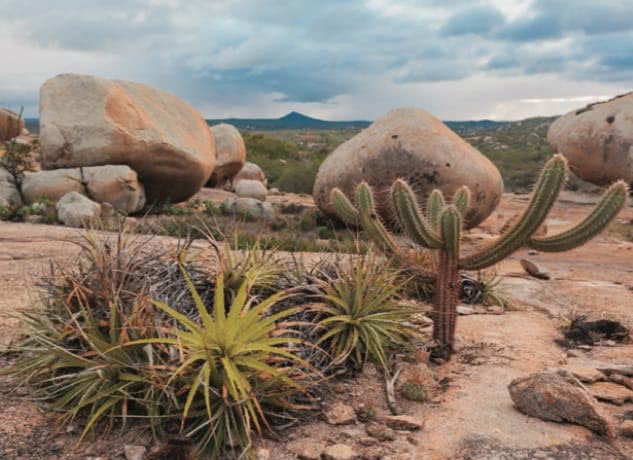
x=434, y=205
x=343, y=207
x=547, y=189
x=411, y=218
x=370, y=221
x=451, y=228
x=604, y=212
x=461, y=199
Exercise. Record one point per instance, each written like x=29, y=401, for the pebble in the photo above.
x=403, y=422
x=339, y=452
x=134, y=452
x=340, y=414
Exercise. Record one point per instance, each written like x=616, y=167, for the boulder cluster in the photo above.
x=132, y=146
x=125, y=144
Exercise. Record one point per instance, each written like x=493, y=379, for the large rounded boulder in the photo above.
x=90, y=121
x=11, y=125
x=411, y=144
x=597, y=140
x=230, y=153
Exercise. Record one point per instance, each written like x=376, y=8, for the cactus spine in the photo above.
x=440, y=230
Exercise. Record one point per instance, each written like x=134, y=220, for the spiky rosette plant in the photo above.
x=440, y=230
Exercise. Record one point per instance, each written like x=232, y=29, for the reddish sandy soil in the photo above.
x=470, y=416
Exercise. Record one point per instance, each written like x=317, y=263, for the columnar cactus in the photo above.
x=440, y=229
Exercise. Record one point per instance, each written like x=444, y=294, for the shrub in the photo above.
x=235, y=362
x=361, y=316
x=99, y=349
x=43, y=207
x=85, y=367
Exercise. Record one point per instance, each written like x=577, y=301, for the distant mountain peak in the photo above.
x=295, y=116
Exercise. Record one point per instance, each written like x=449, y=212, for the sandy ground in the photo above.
x=474, y=417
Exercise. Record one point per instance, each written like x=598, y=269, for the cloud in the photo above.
x=551, y=19
x=357, y=58
x=480, y=19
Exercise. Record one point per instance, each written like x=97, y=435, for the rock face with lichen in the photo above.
x=90, y=121
x=556, y=395
x=597, y=140
x=411, y=144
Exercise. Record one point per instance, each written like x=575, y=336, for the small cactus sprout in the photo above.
x=440, y=230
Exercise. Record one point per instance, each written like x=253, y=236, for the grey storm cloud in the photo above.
x=231, y=51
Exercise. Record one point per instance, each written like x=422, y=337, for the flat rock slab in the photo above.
x=489, y=449
x=611, y=392
x=586, y=374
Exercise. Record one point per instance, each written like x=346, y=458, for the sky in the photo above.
x=337, y=60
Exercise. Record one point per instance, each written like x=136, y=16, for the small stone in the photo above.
x=495, y=310
x=585, y=347
x=534, y=270
x=368, y=441
x=401, y=456
x=375, y=452
x=339, y=452
x=134, y=452
x=465, y=310
x=353, y=433
x=305, y=449
x=611, y=393
x=626, y=429
x=532, y=252
x=574, y=354
x=340, y=414
x=403, y=422
x=262, y=454
x=380, y=431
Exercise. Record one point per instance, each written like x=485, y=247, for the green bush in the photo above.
x=226, y=365
x=98, y=350
x=362, y=316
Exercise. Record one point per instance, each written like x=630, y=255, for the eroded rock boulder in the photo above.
x=247, y=188
x=556, y=395
x=411, y=144
x=248, y=206
x=597, y=140
x=114, y=184
x=10, y=125
x=75, y=210
x=250, y=171
x=9, y=195
x=90, y=121
x=230, y=153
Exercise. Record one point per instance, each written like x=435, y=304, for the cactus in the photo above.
x=440, y=230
